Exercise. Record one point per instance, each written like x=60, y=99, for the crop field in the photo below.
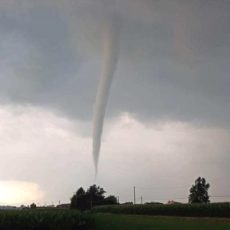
x=66, y=219
x=48, y=219
x=143, y=222
x=187, y=210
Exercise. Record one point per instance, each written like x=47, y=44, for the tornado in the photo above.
x=110, y=58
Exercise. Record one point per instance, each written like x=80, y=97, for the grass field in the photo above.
x=186, y=210
x=74, y=220
x=140, y=222
x=48, y=219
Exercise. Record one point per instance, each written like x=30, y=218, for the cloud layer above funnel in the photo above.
x=174, y=57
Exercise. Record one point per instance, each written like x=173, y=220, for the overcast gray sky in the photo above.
x=168, y=116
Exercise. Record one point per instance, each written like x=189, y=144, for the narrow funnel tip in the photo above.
x=96, y=172
x=96, y=166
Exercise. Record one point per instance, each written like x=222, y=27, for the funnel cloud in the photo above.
x=110, y=59
x=168, y=111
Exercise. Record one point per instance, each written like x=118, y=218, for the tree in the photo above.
x=86, y=200
x=95, y=194
x=80, y=192
x=110, y=200
x=33, y=205
x=199, y=191
x=79, y=200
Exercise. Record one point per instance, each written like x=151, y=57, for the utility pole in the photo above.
x=134, y=195
x=141, y=200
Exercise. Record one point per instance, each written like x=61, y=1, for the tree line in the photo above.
x=94, y=196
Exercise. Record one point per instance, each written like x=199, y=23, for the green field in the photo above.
x=50, y=219
x=139, y=222
x=186, y=210
x=47, y=219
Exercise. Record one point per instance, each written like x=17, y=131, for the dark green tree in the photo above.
x=199, y=191
x=86, y=200
x=33, y=205
x=79, y=200
x=110, y=200
x=95, y=195
x=80, y=192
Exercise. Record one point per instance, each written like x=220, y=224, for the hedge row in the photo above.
x=43, y=219
x=189, y=210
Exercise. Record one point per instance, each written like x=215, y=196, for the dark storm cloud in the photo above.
x=174, y=57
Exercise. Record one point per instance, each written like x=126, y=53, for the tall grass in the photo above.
x=43, y=219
